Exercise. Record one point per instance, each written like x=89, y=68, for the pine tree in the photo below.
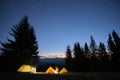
x=79, y=57
x=94, y=52
x=111, y=44
x=68, y=59
x=77, y=50
x=102, y=50
x=116, y=53
x=24, y=46
x=93, y=46
x=86, y=50
x=116, y=40
x=102, y=53
x=114, y=48
x=68, y=52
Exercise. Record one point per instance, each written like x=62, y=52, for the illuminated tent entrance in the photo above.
x=27, y=68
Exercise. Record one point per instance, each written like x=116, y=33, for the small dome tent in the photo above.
x=63, y=70
x=50, y=70
x=27, y=68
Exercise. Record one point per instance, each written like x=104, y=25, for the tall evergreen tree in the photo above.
x=79, y=58
x=86, y=50
x=111, y=44
x=116, y=39
x=77, y=50
x=68, y=52
x=116, y=53
x=93, y=46
x=102, y=50
x=24, y=46
x=94, y=52
x=68, y=59
x=114, y=48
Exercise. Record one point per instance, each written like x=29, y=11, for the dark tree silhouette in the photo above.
x=76, y=53
x=24, y=46
x=116, y=39
x=93, y=46
x=102, y=58
x=79, y=57
x=116, y=53
x=94, y=51
x=68, y=52
x=102, y=50
x=77, y=50
x=68, y=59
x=111, y=44
x=86, y=50
x=114, y=48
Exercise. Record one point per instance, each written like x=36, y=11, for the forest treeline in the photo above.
x=95, y=57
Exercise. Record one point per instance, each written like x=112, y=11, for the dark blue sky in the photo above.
x=58, y=23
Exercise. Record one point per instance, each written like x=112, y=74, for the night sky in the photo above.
x=58, y=23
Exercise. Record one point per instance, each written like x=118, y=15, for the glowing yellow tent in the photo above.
x=50, y=70
x=25, y=68
x=64, y=70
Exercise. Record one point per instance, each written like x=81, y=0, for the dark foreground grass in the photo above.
x=68, y=76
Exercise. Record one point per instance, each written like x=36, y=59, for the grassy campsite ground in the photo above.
x=67, y=76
